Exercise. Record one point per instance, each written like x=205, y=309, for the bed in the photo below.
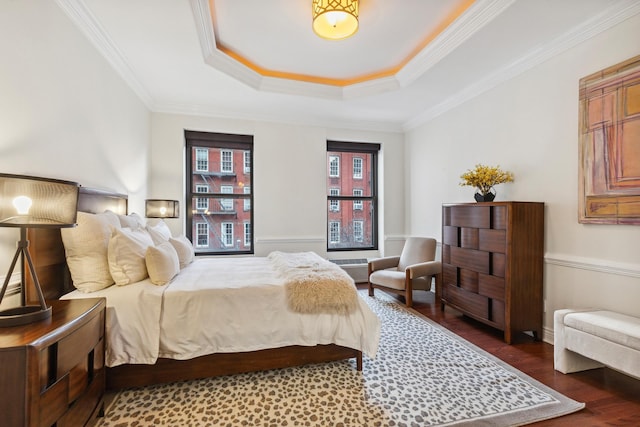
x=289, y=337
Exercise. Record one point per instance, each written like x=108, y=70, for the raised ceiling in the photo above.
x=410, y=60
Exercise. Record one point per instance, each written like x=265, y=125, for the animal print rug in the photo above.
x=423, y=375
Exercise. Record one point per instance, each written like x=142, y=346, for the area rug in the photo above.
x=423, y=375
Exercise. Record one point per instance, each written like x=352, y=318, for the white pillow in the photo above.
x=126, y=254
x=133, y=220
x=159, y=232
x=185, y=250
x=162, y=263
x=86, y=250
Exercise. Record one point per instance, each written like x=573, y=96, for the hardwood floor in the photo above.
x=611, y=398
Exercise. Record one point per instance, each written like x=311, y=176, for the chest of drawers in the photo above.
x=492, y=263
x=52, y=372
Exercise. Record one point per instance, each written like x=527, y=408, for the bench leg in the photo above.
x=564, y=360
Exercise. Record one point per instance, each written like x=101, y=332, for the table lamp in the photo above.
x=33, y=202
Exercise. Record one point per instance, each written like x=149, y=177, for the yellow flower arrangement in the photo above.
x=484, y=177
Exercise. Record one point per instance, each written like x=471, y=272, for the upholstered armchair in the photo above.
x=413, y=269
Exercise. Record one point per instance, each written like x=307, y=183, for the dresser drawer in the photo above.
x=449, y=274
x=472, y=303
x=492, y=240
x=54, y=402
x=470, y=259
x=450, y=236
x=470, y=216
x=73, y=349
x=469, y=280
x=491, y=286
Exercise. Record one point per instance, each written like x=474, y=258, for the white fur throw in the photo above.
x=315, y=285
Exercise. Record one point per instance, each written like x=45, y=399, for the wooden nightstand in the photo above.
x=52, y=372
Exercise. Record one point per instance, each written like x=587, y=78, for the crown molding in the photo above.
x=472, y=20
x=616, y=14
x=479, y=14
x=84, y=19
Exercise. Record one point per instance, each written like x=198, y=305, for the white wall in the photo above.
x=289, y=179
x=64, y=112
x=529, y=125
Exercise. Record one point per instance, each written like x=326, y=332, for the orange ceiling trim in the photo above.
x=391, y=71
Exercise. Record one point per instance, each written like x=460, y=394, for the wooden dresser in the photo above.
x=492, y=263
x=52, y=372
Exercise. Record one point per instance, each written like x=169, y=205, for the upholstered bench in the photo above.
x=587, y=339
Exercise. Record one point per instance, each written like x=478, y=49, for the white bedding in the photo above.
x=220, y=305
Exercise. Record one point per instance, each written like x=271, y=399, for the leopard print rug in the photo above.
x=423, y=375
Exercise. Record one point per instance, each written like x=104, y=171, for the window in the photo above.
x=357, y=168
x=247, y=233
x=202, y=204
x=358, y=231
x=215, y=222
x=226, y=161
x=334, y=205
x=334, y=232
x=226, y=204
x=247, y=202
x=226, y=231
x=202, y=234
x=202, y=160
x=247, y=161
x=353, y=217
x=334, y=166
x=357, y=204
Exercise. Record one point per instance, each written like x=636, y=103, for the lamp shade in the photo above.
x=160, y=208
x=30, y=201
x=335, y=19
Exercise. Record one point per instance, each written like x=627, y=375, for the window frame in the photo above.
x=366, y=148
x=222, y=142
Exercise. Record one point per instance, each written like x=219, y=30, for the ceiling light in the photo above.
x=335, y=19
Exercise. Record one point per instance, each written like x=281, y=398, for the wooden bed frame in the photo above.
x=47, y=252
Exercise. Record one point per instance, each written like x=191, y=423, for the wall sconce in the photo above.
x=33, y=202
x=160, y=208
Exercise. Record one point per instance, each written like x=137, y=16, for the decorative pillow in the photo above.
x=133, y=220
x=159, y=232
x=162, y=263
x=86, y=250
x=184, y=248
x=126, y=254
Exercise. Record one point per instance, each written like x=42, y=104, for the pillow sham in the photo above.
x=159, y=232
x=126, y=255
x=86, y=247
x=162, y=263
x=133, y=220
x=184, y=248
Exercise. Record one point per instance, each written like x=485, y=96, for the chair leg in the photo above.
x=408, y=290
x=369, y=271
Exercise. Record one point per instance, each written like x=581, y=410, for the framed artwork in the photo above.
x=609, y=138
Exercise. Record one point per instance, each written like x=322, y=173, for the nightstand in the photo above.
x=52, y=372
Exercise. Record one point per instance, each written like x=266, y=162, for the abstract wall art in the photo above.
x=609, y=138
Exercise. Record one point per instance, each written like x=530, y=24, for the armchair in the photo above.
x=413, y=269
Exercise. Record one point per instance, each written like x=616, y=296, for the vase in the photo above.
x=489, y=197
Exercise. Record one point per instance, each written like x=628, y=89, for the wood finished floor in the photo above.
x=611, y=398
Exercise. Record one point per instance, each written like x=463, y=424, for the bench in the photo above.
x=588, y=339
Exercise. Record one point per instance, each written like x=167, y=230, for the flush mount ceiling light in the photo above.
x=335, y=19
